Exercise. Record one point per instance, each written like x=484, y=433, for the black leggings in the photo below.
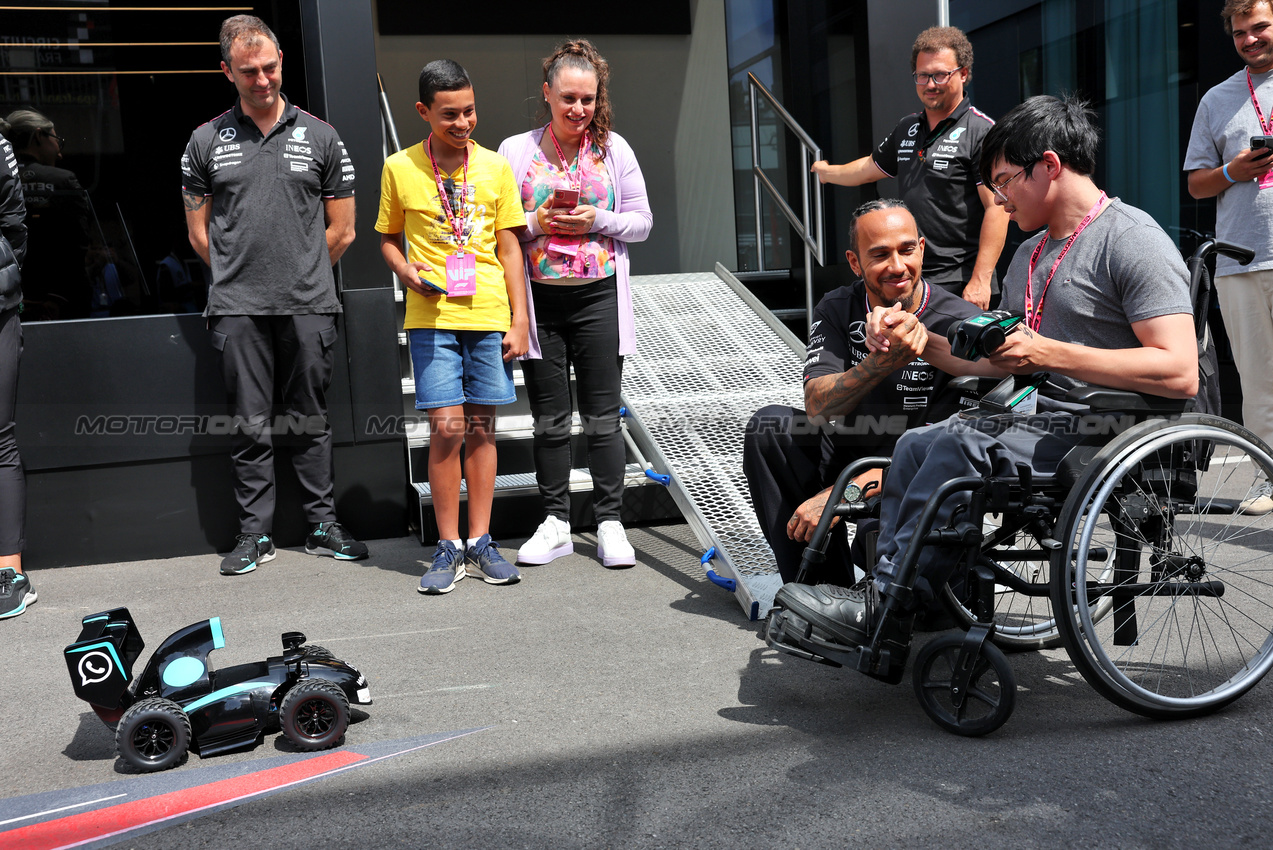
x=577, y=325
x=13, y=485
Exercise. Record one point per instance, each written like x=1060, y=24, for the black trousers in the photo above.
x=13, y=485
x=290, y=357
x=577, y=325
x=785, y=466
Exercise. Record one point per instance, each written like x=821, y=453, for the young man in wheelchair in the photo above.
x=1106, y=299
x=857, y=402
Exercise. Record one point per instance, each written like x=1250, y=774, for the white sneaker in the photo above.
x=1259, y=503
x=551, y=541
x=613, y=547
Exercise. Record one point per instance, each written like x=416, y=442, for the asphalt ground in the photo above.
x=588, y=707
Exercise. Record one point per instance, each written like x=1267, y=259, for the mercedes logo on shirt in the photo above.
x=227, y=134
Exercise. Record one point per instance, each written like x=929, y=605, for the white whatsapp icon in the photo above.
x=95, y=667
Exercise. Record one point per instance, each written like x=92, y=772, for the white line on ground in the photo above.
x=62, y=809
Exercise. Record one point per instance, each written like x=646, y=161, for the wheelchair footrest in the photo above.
x=793, y=635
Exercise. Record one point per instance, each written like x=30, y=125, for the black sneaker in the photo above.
x=249, y=550
x=16, y=593
x=330, y=538
x=848, y=614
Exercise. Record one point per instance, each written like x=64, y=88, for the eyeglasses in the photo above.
x=61, y=142
x=939, y=77
x=998, y=188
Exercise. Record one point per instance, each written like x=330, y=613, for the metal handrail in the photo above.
x=810, y=232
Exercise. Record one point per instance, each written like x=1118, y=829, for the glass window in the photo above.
x=102, y=98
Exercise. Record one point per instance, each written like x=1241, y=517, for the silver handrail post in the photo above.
x=755, y=179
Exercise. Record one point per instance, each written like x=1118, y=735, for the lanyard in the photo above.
x=1266, y=129
x=1034, y=315
x=583, y=145
x=442, y=194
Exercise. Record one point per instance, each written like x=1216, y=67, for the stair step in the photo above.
x=523, y=483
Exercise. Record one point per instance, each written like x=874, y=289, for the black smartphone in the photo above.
x=1262, y=143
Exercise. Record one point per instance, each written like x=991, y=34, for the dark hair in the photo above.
x=934, y=39
x=246, y=28
x=870, y=207
x=442, y=75
x=582, y=56
x=22, y=126
x=1240, y=7
x=1065, y=125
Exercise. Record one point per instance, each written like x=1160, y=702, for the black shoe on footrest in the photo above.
x=848, y=615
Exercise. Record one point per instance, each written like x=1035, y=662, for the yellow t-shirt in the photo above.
x=409, y=202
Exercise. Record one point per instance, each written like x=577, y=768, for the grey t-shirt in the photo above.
x=1121, y=269
x=1222, y=129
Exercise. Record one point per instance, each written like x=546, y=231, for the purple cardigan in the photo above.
x=629, y=222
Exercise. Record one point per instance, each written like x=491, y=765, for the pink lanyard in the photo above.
x=583, y=145
x=1034, y=315
x=442, y=195
x=1267, y=129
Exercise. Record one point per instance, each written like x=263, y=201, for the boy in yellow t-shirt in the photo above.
x=459, y=206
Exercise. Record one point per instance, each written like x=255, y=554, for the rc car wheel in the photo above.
x=314, y=714
x=153, y=734
x=988, y=699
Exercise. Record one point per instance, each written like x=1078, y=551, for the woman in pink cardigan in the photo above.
x=585, y=199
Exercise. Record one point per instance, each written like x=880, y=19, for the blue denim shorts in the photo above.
x=458, y=367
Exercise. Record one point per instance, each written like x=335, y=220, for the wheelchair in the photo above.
x=1134, y=555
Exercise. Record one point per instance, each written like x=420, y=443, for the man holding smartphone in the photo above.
x=1230, y=159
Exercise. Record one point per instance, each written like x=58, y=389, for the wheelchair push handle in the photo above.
x=1241, y=253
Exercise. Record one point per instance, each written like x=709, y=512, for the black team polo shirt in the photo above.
x=268, y=236
x=938, y=176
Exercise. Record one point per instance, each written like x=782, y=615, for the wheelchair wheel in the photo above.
x=1022, y=622
x=987, y=701
x=1187, y=576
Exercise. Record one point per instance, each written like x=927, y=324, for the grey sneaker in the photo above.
x=16, y=593
x=1260, y=502
x=447, y=568
x=249, y=550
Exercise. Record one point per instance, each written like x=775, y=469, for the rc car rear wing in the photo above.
x=101, y=661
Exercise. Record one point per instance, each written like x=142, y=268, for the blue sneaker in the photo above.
x=447, y=568
x=249, y=550
x=488, y=564
x=16, y=593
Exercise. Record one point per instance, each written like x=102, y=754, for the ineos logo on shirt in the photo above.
x=857, y=332
x=227, y=134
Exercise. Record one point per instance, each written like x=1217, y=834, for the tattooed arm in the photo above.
x=835, y=395
x=198, y=216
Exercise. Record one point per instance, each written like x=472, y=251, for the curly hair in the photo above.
x=934, y=39
x=580, y=55
x=1240, y=7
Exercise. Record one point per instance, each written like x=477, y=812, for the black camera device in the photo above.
x=1264, y=143
x=978, y=336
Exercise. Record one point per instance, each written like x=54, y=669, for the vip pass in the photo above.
x=461, y=267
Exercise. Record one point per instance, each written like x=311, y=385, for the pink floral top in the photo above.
x=593, y=255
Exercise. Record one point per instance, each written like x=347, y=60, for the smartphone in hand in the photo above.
x=564, y=199
x=1262, y=146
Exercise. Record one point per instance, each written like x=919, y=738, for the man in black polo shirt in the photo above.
x=269, y=202
x=934, y=155
x=872, y=397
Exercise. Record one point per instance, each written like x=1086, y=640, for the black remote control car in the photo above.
x=180, y=703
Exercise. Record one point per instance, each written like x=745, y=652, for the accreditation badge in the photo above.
x=461, y=275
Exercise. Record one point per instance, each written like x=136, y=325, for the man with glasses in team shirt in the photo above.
x=1223, y=163
x=1106, y=299
x=934, y=155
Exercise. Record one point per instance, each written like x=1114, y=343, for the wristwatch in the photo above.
x=853, y=493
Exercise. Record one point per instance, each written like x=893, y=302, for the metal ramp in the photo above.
x=709, y=355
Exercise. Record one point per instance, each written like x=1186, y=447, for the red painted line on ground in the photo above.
x=113, y=820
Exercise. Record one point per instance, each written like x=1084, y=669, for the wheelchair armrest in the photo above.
x=1103, y=398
